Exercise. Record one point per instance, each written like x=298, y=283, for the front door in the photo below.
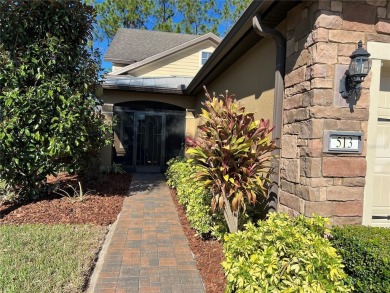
x=149, y=144
x=146, y=137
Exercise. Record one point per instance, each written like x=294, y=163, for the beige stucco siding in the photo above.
x=183, y=63
x=252, y=79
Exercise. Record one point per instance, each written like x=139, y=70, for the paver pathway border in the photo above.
x=147, y=250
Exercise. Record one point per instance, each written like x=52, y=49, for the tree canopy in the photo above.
x=48, y=79
x=182, y=16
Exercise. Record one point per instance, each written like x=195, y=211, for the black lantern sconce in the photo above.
x=350, y=84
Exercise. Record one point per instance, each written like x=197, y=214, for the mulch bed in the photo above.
x=101, y=207
x=208, y=254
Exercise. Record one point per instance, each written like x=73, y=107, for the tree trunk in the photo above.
x=230, y=216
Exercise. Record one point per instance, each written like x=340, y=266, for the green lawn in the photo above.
x=47, y=258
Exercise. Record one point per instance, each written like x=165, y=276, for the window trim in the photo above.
x=201, y=57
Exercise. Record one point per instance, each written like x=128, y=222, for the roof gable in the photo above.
x=209, y=37
x=133, y=45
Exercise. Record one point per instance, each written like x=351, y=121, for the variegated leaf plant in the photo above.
x=234, y=152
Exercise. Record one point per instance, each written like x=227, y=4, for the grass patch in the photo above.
x=47, y=258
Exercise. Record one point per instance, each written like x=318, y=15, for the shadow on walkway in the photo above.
x=144, y=183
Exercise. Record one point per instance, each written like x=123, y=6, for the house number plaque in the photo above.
x=342, y=141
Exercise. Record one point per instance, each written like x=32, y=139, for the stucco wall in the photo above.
x=251, y=79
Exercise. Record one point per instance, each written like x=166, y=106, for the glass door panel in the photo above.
x=123, y=138
x=149, y=148
x=174, y=135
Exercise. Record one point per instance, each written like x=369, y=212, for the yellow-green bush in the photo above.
x=194, y=197
x=283, y=255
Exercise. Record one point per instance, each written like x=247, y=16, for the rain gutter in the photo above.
x=280, y=41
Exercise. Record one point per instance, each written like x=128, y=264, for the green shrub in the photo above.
x=48, y=83
x=194, y=197
x=366, y=256
x=178, y=173
x=283, y=255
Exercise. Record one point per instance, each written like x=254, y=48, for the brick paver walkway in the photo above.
x=148, y=251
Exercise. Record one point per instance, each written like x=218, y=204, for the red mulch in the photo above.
x=208, y=254
x=100, y=207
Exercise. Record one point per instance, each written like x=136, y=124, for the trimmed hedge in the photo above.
x=366, y=256
x=283, y=255
x=195, y=198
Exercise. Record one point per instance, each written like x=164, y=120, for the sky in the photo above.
x=102, y=47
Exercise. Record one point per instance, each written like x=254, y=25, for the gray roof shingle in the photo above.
x=133, y=45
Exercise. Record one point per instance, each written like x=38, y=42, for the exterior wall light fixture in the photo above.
x=359, y=68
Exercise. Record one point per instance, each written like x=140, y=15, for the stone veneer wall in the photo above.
x=320, y=35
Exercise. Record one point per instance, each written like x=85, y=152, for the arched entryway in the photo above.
x=147, y=134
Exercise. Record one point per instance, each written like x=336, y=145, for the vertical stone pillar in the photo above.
x=321, y=35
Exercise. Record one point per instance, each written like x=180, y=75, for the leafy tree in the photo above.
x=114, y=14
x=182, y=16
x=197, y=16
x=164, y=13
x=233, y=151
x=48, y=79
x=231, y=12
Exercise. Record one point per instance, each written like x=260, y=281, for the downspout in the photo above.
x=280, y=41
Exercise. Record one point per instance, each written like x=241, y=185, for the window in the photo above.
x=204, y=56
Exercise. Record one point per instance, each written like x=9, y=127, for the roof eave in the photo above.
x=122, y=61
x=241, y=28
x=243, y=24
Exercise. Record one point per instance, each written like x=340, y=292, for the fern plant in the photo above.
x=233, y=151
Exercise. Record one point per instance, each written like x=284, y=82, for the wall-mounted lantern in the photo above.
x=358, y=69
